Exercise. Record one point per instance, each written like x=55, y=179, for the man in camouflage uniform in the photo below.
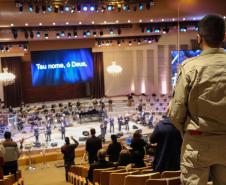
x=198, y=107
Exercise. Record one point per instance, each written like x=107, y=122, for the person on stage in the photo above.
x=62, y=130
x=36, y=134
x=120, y=122
x=110, y=107
x=48, y=132
x=111, y=120
x=150, y=121
x=127, y=121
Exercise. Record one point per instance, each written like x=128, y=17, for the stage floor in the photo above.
x=76, y=129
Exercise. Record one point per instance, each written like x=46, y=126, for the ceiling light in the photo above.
x=11, y=24
x=54, y=23
x=84, y=8
x=38, y=35
x=26, y=24
x=117, y=21
x=40, y=24
x=80, y=22
x=66, y=8
x=92, y=8
x=30, y=8
x=114, y=68
x=46, y=35
x=67, y=23
x=49, y=8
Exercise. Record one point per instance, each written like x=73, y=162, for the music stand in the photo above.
x=30, y=167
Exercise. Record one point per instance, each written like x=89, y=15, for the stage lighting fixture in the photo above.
x=134, y=7
x=79, y=8
x=92, y=8
x=37, y=9
x=148, y=6
x=156, y=30
x=119, y=31
x=84, y=34
x=96, y=8
x=61, y=9
x=141, y=6
x=130, y=43
x=7, y=49
x=73, y=9
x=183, y=29
x=148, y=30
x=103, y=8
x=99, y=43
x=2, y=48
x=56, y=9
x=109, y=7
x=31, y=34
x=69, y=35
x=57, y=35
x=165, y=30
x=26, y=35
x=111, y=32
x=88, y=33
x=66, y=8
x=62, y=34
x=20, y=7
x=43, y=8
x=25, y=47
x=101, y=33
x=38, y=34
x=149, y=41
x=94, y=34
x=119, y=7
x=46, y=35
x=84, y=8
x=75, y=34
x=15, y=34
x=124, y=7
x=49, y=8
x=138, y=42
x=30, y=8
x=119, y=43
x=196, y=28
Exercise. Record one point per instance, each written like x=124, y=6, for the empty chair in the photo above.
x=165, y=181
x=118, y=178
x=105, y=176
x=146, y=171
x=96, y=174
x=140, y=179
x=168, y=174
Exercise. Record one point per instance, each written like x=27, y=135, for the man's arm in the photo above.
x=75, y=141
x=155, y=135
x=178, y=105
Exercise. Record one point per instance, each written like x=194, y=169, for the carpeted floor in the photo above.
x=50, y=175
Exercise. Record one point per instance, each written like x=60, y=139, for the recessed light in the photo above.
x=105, y=22
x=26, y=24
x=129, y=21
x=12, y=24
x=80, y=22
x=92, y=22
x=40, y=24
x=163, y=20
x=116, y=21
x=173, y=19
x=67, y=23
x=140, y=20
x=54, y=23
x=184, y=19
x=151, y=20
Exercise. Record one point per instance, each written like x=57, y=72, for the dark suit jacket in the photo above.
x=93, y=144
x=168, y=139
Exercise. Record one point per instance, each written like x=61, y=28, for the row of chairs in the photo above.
x=121, y=176
x=12, y=179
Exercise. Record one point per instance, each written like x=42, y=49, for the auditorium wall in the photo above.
x=146, y=69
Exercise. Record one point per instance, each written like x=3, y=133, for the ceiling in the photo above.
x=162, y=10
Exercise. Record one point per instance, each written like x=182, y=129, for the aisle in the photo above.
x=46, y=176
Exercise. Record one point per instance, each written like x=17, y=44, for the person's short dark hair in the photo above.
x=212, y=29
x=92, y=131
x=7, y=135
x=114, y=138
x=137, y=135
x=67, y=140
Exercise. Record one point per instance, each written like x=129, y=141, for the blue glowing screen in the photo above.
x=175, y=63
x=60, y=67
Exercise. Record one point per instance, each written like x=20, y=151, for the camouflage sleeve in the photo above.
x=178, y=105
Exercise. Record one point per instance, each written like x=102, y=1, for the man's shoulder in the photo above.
x=9, y=144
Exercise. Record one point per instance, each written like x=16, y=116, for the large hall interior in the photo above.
x=68, y=66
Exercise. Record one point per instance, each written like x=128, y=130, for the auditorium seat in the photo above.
x=140, y=179
x=118, y=178
x=97, y=172
x=146, y=171
x=105, y=176
x=168, y=174
x=166, y=181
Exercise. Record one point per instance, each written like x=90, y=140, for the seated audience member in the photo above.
x=138, y=160
x=167, y=152
x=124, y=158
x=114, y=149
x=93, y=144
x=11, y=154
x=138, y=144
x=101, y=163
